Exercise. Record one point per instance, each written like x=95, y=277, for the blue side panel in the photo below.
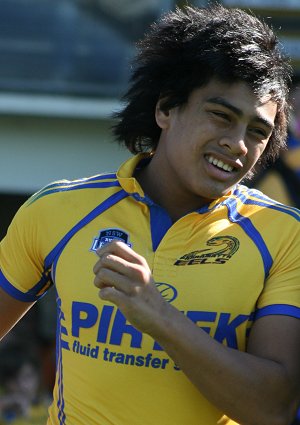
x=59, y=366
x=252, y=232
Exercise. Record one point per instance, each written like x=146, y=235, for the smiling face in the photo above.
x=213, y=141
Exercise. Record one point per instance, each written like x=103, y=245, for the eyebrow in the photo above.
x=223, y=102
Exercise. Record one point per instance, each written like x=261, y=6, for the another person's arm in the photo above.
x=11, y=311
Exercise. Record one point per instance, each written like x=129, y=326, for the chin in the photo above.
x=214, y=193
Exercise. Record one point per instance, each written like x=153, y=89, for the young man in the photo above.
x=197, y=319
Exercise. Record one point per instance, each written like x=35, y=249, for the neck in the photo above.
x=166, y=192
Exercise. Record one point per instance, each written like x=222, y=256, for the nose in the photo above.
x=235, y=142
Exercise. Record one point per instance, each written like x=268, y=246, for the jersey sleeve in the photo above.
x=23, y=272
x=281, y=293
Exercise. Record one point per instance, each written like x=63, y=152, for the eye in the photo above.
x=220, y=115
x=259, y=132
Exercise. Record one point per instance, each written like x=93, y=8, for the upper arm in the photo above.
x=11, y=311
x=277, y=338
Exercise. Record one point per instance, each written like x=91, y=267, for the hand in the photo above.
x=124, y=278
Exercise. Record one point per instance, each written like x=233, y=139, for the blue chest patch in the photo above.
x=108, y=235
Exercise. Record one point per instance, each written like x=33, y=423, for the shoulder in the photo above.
x=250, y=201
x=272, y=226
x=85, y=186
x=66, y=201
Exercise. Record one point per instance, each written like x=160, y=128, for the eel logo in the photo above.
x=108, y=235
x=221, y=249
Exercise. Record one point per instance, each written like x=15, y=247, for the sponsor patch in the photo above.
x=109, y=235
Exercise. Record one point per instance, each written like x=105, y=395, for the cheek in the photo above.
x=257, y=150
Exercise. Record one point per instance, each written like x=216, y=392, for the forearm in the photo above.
x=11, y=311
x=249, y=389
x=253, y=389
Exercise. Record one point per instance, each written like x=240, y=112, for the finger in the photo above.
x=124, y=268
x=112, y=295
x=122, y=250
x=108, y=278
x=108, y=260
x=97, y=266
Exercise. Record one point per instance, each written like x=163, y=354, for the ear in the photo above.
x=162, y=116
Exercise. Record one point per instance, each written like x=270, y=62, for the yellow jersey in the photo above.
x=224, y=266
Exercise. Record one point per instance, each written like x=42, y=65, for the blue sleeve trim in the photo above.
x=278, y=309
x=29, y=296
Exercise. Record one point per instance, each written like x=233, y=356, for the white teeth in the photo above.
x=227, y=167
x=219, y=164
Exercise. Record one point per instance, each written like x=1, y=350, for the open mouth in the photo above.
x=220, y=164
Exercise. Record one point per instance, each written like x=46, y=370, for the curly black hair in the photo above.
x=187, y=48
